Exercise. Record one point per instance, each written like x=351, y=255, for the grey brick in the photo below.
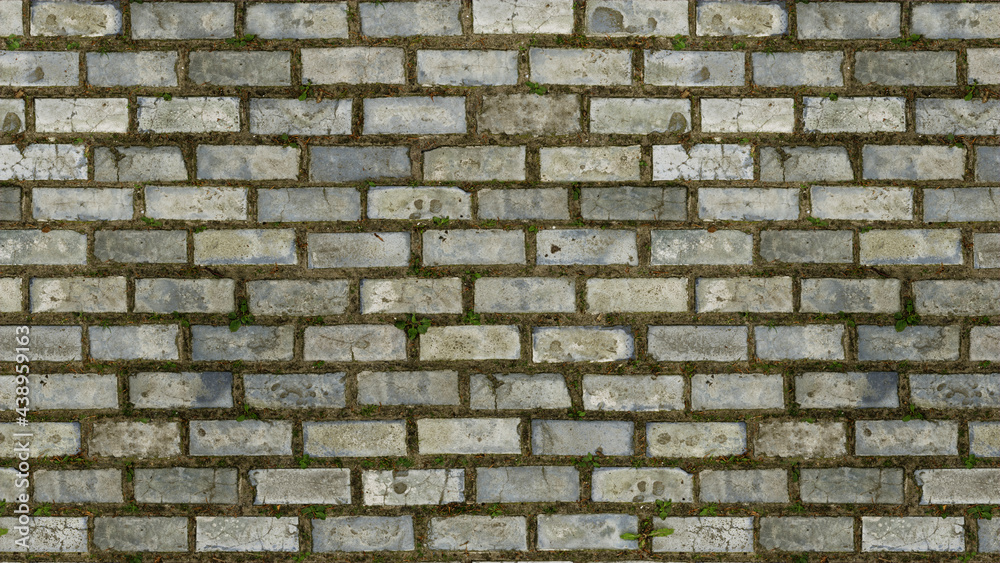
x=582, y=344
x=61, y=535
x=690, y=247
x=139, y=164
x=415, y=115
x=527, y=484
x=298, y=297
x=478, y=533
x=961, y=204
x=694, y=68
x=239, y=162
x=807, y=440
x=348, y=164
x=590, y=164
x=171, y=485
x=585, y=531
x=399, y=202
x=989, y=536
x=807, y=534
x=912, y=246
x=48, y=343
x=805, y=164
x=747, y=115
x=812, y=342
x=629, y=203
x=196, y=203
x=10, y=204
x=243, y=438
x=353, y=65
x=757, y=295
x=697, y=343
x=912, y=533
x=246, y=533
x=468, y=436
x=578, y=437
x=301, y=486
x=521, y=16
x=49, y=438
x=943, y=117
x=916, y=343
x=142, y=342
x=236, y=68
x=901, y=68
x=986, y=250
x=586, y=246
x=957, y=297
x=984, y=439
x=633, y=392
x=478, y=247
x=321, y=20
x=811, y=68
x=295, y=390
x=737, y=391
x=39, y=68
x=358, y=250
x=651, y=295
x=184, y=296
x=81, y=115
x=748, y=204
x=830, y=247
x=245, y=247
x=186, y=390
x=363, y=533
x=984, y=66
x=429, y=296
x=524, y=204
x=755, y=485
x=851, y=390
x=42, y=162
x=188, y=115
x=147, y=68
x=757, y=19
x=525, y=295
x=124, y=533
x=427, y=17
x=78, y=486
x=164, y=247
x=308, y=204
x=627, y=484
x=10, y=295
x=854, y=115
x=943, y=21
x=862, y=203
x=984, y=343
x=910, y=438
x=355, y=438
x=519, y=114
x=518, y=391
x=183, y=20
x=852, y=485
x=81, y=204
x=413, y=487
x=88, y=295
x=66, y=391
x=584, y=67
x=631, y=17
x=723, y=534
x=466, y=68
x=249, y=343
x=10, y=15
x=844, y=20
x=955, y=390
x=408, y=388
x=957, y=486
x=135, y=440
x=639, y=116
x=358, y=343
x=12, y=111
x=474, y=164
x=272, y=116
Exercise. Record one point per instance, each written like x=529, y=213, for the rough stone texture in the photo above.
x=587, y=246
x=854, y=115
x=914, y=533
x=853, y=485
x=571, y=437
x=271, y=68
x=524, y=204
x=359, y=343
x=89, y=295
x=363, y=533
x=626, y=484
x=466, y=68
x=911, y=246
x=407, y=388
x=798, y=69
x=355, y=438
x=478, y=533
x=79, y=486
x=697, y=343
x=633, y=203
x=358, y=250
x=300, y=298
x=478, y=247
x=747, y=115
x=135, y=439
x=415, y=115
x=347, y=164
x=39, y=68
x=913, y=437
x=132, y=69
x=418, y=203
x=523, y=16
x=413, y=487
x=294, y=390
x=639, y=116
x=185, y=485
x=966, y=22
x=805, y=164
x=416, y=18
x=801, y=439
x=518, y=391
x=590, y=164
x=250, y=343
x=524, y=295
x=966, y=204
x=636, y=17
x=188, y=115
x=411, y=296
x=581, y=344
x=756, y=19
x=694, y=68
x=585, y=531
x=984, y=343
x=897, y=68
x=748, y=204
x=957, y=486
x=851, y=390
x=736, y=391
x=473, y=164
x=82, y=115
x=180, y=20
x=835, y=247
x=583, y=67
x=986, y=250
x=682, y=247
x=471, y=343
x=220, y=533
x=697, y=535
x=984, y=439
x=521, y=114
x=185, y=390
x=527, y=484
x=757, y=295
x=139, y=164
x=369, y=65
x=300, y=21
x=468, y=436
x=983, y=66
x=294, y=117
x=124, y=533
x=750, y=486
x=843, y=20
x=696, y=439
x=148, y=342
x=817, y=342
x=247, y=437
x=862, y=203
x=301, y=486
x=640, y=295
x=957, y=297
x=807, y=534
x=916, y=343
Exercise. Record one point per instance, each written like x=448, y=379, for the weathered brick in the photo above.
x=957, y=486
x=633, y=393
x=747, y=115
x=184, y=296
x=139, y=164
x=88, y=295
x=81, y=115
x=10, y=295
x=301, y=486
x=984, y=343
x=294, y=390
x=695, y=439
x=911, y=246
x=810, y=68
x=649, y=295
x=347, y=164
x=242, y=162
x=590, y=164
x=909, y=438
x=512, y=391
x=65, y=391
x=146, y=68
x=936, y=116
x=696, y=534
x=694, y=68
x=353, y=65
x=912, y=533
x=166, y=247
x=363, y=533
x=474, y=164
x=408, y=388
x=246, y=533
x=805, y=164
x=308, y=204
x=39, y=68
x=636, y=17
x=188, y=115
x=984, y=439
x=736, y=391
x=135, y=440
x=758, y=19
x=989, y=535
x=413, y=487
x=984, y=66
x=249, y=343
x=689, y=247
x=748, y=204
x=272, y=116
x=583, y=67
x=427, y=17
x=183, y=20
x=358, y=250
x=577, y=437
x=968, y=21
x=527, y=484
x=243, y=438
x=902, y=68
x=627, y=484
x=355, y=438
x=697, y=343
x=398, y=202
x=426, y=297
x=520, y=114
x=235, y=68
x=585, y=531
x=807, y=534
x=854, y=115
x=824, y=247
x=142, y=342
x=201, y=203
x=468, y=436
x=48, y=343
x=298, y=297
x=961, y=204
x=478, y=247
x=854, y=485
x=355, y=343
x=986, y=250
x=524, y=204
x=415, y=115
x=187, y=390
x=582, y=344
x=185, y=485
x=801, y=439
x=10, y=18
x=862, y=203
x=47, y=535
x=851, y=390
x=757, y=295
x=630, y=203
x=320, y=20
x=79, y=486
x=916, y=343
x=586, y=246
x=81, y=204
x=955, y=390
x=639, y=116
x=43, y=162
x=957, y=297
x=14, y=118
x=754, y=485
x=49, y=438
x=125, y=533
x=523, y=16
x=245, y=246
x=848, y=20
x=812, y=342
x=525, y=295
x=478, y=533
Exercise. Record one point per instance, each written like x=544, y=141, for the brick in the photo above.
x=10, y=15
x=477, y=247
x=398, y=202
x=814, y=342
x=143, y=342
x=66, y=391
x=271, y=116
x=411, y=296
x=960, y=204
x=590, y=164
x=644, y=17
x=353, y=65
x=363, y=533
x=630, y=203
x=586, y=246
x=694, y=68
x=10, y=295
x=357, y=343
x=324, y=20
x=60, y=535
x=943, y=117
x=987, y=164
x=79, y=486
x=851, y=390
x=408, y=388
x=805, y=164
x=984, y=66
x=246, y=533
x=912, y=246
x=171, y=485
x=301, y=486
x=524, y=204
x=249, y=343
x=844, y=20
x=651, y=295
x=989, y=536
x=736, y=391
x=807, y=440
x=901, y=68
x=478, y=533
x=697, y=343
x=854, y=485
x=816, y=247
x=582, y=344
x=13, y=115
x=469, y=436
x=984, y=439
x=245, y=247
x=577, y=437
x=355, y=438
x=139, y=164
x=187, y=390
x=747, y=115
x=411, y=18
x=955, y=390
x=81, y=115
x=201, y=203
x=474, y=164
x=518, y=391
x=235, y=68
x=807, y=534
x=984, y=343
x=238, y=162
x=358, y=250
x=975, y=21
x=755, y=485
x=413, y=487
x=757, y=295
x=523, y=16
x=639, y=116
x=308, y=204
x=347, y=164
x=527, y=484
x=242, y=438
x=518, y=114
x=415, y=115
x=585, y=531
x=916, y=343
x=854, y=115
x=182, y=20
x=43, y=162
x=627, y=484
x=758, y=19
x=957, y=297
x=124, y=533
x=39, y=68
x=48, y=343
x=466, y=68
x=135, y=440
x=697, y=534
x=295, y=390
x=184, y=296
x=912, y=533
x=910, y=438
x=748, y=204
x=165, y=247
x=88, y=295
x=81, y=204
x=583, y=67
x=862, y=203
x=188, y=115
x=525, y=295
x=690, y=247
x=811, y=68
x=147, y=68
x=957, y=486
x=49, y=438
x=298, y=297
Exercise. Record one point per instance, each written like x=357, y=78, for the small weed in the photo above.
x=200, y=228
x=709, y=510
x=368, y=410
x=305, y=94
x=679, y=42
x=495, y=511
x=318, y=364
x=472, y=318
x=13, y=43
x=132, y=507
x=413, y=326
x=304, y=461
x=970, y=91
x=906, y=41
x=644, y=537
x=532, y=229
x=133, y=558
x=906, y=317
x=985, y=364
x=981, y=512
x=847, y=320
x=72, y=45
x=151, y=222
x=797, y=508
x=300, y=557
x=440, y=221
x=573, y=413
x=43, y=510
x=865, y=229
x=739, y=45
x=317, y=511
x=970, y=461
x=833, y=97
x=817, y=222
x=913, y=414
x=247, y=414
x=536, y=88
x=588, y=460
x=167, y=96
x=663, y=508
x=288, y=142
x=240, y=317
x=241, y=41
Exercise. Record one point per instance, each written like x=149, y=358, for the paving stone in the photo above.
x=43, y=162
x=468, y=436
x=695, y=439
x=473, y=164
x=139, y=164
x=961, y=204
x=590, y=164
x=830, y=247
x=807, y=440
x=986, y=250
x=694, y=68
x=636, y=17
x=234, y=68
x=39, y=68
x=811, y=68
x=586, y=246
x=82, y=204
x=689, y=247
x=633, y=393
x=47, y=535
x=911, y=246
x=957, y=486
x=408, y=388
x=518, y=391
x=245, y=247
x=862, y=203
x=188, y=115
x=125, y=533
x=805, y=164
x=626, y=484
x=807, y=534
x=519, y=114
x=955, y=390
x=525, y=295
x=135, y=439
x=363, y=533
x=984, y=66
x=851, y=390
x=736, y=391
x=909, y=438
x=965, y=22
x=271, y=116
x=756, y=486
x=425, y=297
x=854, y=485
x=246, y=533
x=572, y=437
x=984, y=343
x=10, y=15
x=523, y=16
x=916, y=343
x=629, y=203
x=249, y=343
x=295, y=390
x=298, y=297
x=473, y=247
x=357, y=343
x=348, y=164
x=900, y=68
x=651, y=295
x=984, y=439
x=242, y=438
x=89, y=295
x=957, y=297
x=10, y=203
x=582, y=344
x=583, y=67
x=13, y=116
x=748, y=204
x=478, y=533
x=10, y=295
x=143, y=342
x=353, y=65
x=747, y=115
x=355, y=438
x=78, y=486
x=527, y=484
x=757, y=295
x=65, y=391
x=815, y=342
x=48, y=343
x=639, y=116
x=141, y=246
x=301, y=486
x=415, y=115
x=758, y=19
x=418, y=203
x=697, y=534
x=411, y=18
x=308, y=204
x=181, y=20
x=49, y=439
x=238, y=162
x=697, y=343
x=943, y=117
x=524, y=204
x=413, y=487
x=148, y=68
x=848, y=20
x=199, y=203
x=163, y=295
x=186, y=390
x=585, y=531
x=912, y=533
x=81, y=115
x=854, y=115
x=297, y=21
x=358, y=250
x=989, y=536
x=170, y=485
